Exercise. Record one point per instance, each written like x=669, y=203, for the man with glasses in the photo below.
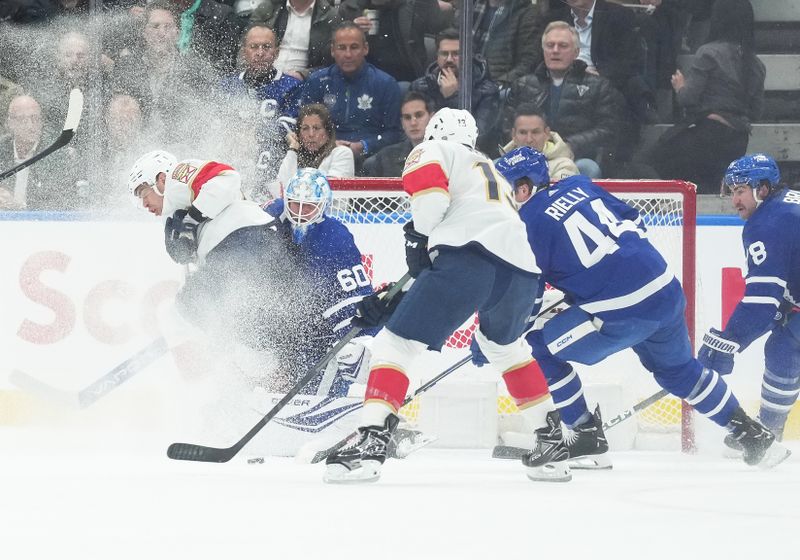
x=441, y=84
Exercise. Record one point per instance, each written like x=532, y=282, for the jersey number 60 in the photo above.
x=352, y=278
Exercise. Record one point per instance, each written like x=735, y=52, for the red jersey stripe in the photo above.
x=428, y=176
x=207, y=172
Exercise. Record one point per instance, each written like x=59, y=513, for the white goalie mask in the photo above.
x=146, y=170
x=306, y=199
x=455, y=125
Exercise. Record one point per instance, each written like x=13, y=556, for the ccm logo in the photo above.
x=563, y=341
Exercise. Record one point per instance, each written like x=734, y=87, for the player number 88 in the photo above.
x=757, y=252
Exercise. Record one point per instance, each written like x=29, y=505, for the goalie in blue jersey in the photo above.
x=772, y=288
x=593, y=247
x=330, y=262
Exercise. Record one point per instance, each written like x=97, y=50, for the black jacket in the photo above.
x=389, y=162
x=588, y=113
x=485, y=97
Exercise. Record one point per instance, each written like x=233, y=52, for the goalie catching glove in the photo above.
x=374, y=310
x=717, y=352
x=417, y=257
x=180, y=235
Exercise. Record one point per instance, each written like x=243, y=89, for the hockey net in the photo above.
x=376, y=209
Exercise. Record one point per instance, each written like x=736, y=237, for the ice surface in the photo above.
x=98, y=495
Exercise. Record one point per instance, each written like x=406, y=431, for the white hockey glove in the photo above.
x=352, y=361
x=549, y=299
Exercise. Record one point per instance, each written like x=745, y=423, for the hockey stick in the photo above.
x=323, y=454
x=70, y=125
x=511, y=452
x=99, y=388
x=194, y=452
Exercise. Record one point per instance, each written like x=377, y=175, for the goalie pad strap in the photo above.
x=720, y=344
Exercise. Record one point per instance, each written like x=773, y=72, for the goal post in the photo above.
x=374, y=209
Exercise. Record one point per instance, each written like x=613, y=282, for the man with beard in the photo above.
x=441, y=83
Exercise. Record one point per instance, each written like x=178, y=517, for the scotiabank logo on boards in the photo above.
x=67, y=312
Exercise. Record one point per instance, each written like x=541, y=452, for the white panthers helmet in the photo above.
x=455, y=125
x=147, y=168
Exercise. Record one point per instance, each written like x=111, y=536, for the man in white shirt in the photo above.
x=303, y=28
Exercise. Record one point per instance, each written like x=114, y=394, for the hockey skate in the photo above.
x=360, y=460
x=406, y=440
x=587, y=445
x=757, y=443
x=547, y=462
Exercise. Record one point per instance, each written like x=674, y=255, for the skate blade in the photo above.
x=775, y=455
x=407, y=446
x=550, y=472
x=369, y=471
x=600, y=462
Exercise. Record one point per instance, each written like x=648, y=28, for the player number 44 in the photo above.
x=352, y=278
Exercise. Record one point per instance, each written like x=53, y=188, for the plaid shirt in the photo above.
x=481, y=33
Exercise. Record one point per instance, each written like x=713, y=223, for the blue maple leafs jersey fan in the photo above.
x=326, y=252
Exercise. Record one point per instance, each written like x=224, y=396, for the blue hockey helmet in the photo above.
x=524, y=163
x=751, y=170
x=306, y=199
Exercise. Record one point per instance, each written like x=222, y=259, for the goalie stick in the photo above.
x=511, y=452
x=195, y=452
x=99, y=388
x=323, y=454
x=70, y=125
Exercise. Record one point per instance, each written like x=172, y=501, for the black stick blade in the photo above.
x=193, y=452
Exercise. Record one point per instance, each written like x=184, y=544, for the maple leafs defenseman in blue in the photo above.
x=772, y=286
x=593, y=247
x=325, y=250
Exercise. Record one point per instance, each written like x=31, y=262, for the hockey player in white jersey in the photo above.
x=592, y=246
x=772, y=288
x=467, y=250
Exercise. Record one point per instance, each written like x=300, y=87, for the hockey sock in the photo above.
x=387, y=388
x=528, y=387
x=712, y=397
x=778, y=395
x=567, y=391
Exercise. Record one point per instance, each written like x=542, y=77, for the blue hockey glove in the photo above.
x=717, y=352
x=478, y=357
x=374, y=310
x=417, y=258
x=180, y=235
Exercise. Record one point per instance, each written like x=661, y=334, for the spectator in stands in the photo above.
x=24, y=123
x=314, y=145
x=125, y=141
x=266, y=99
x=166, y=83
x=211, y=30
x=583, y=107
x=364, y=101
x=415, y=112
x=441, y=83
x=397, y=46
x=8, y=90
x=304, y=29
x=722, y=93
x=530, y=129
x=507, y=34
